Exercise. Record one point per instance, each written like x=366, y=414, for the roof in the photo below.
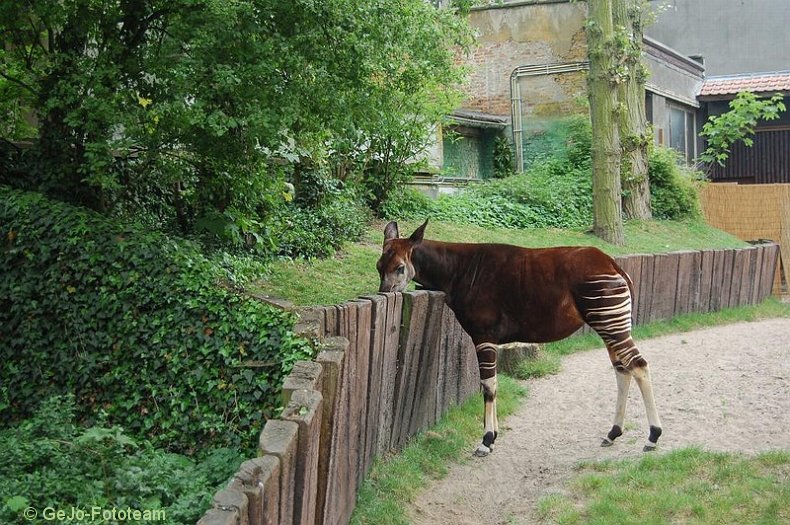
x=476, y=119
x=774, y=82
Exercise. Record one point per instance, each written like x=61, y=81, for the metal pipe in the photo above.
x=515, y=97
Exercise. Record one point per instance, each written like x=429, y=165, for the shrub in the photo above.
x=138, y=326
x=50, y=461
x=554, y=193
x=673, y=186
x=503, y=158
x=318, y=232
x=556, y=190
x=405, y=203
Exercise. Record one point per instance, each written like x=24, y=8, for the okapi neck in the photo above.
x=435, y=265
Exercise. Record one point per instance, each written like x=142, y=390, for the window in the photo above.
x=682, y=132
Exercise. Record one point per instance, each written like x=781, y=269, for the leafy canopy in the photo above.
x=193, y=109
x=746, y=110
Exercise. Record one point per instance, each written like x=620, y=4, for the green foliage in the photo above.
x=737, y=124
x=192, y=113
x=48, y=460
x=503, y=158
x=547, y=138
x=405, y=203
x=319, y=232
x=543, y=364
x=556, y=191
x=674, y=187
x=139, y=327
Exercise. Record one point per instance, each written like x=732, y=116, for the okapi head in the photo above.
x=395, y=266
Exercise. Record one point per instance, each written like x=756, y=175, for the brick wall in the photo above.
x=524, y=34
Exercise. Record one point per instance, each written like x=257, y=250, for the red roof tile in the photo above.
x=757, y=83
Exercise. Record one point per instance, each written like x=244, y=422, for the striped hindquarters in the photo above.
x=605, y=304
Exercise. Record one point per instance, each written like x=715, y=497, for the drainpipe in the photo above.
x=515, y=97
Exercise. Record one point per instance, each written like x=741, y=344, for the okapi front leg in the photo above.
x=486, y=361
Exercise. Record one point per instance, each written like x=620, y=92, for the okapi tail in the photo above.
x=627, y=278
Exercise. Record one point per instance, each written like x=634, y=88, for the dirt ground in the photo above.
x=724, y=389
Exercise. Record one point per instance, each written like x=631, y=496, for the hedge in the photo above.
x=137, y=325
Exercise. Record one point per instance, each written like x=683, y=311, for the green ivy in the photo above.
x=49, y=461
x=141, y=328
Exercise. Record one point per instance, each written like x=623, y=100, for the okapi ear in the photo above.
x=391, y=231
x=416, y=237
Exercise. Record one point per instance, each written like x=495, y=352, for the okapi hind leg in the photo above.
x=605, y=304
x=486, y=361
x=623, y=384
x=641, y=374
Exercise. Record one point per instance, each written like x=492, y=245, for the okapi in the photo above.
x=502, y=293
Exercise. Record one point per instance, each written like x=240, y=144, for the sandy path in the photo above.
x=724, y=388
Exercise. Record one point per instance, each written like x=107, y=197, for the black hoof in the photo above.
x=488, y=439
x=652, y=441
x=655, y=433
x=613, y=434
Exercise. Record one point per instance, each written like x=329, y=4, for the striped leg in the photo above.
x=605, y=303
x=486, y=361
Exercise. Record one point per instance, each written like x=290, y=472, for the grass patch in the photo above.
x=684, y=486
x=395, y=480
x=352, y=272
x=543, y=364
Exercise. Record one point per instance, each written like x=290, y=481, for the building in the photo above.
x=743, y=46
x=530, y=68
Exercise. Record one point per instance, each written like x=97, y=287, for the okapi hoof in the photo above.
x=652, y=441
x=487, y=445
x=615, y=433
x=482, y=451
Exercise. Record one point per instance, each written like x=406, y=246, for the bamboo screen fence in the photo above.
x=752, y=212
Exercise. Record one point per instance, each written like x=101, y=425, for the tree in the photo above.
x=632, y=121
x=200, y=108
x=607, y=207
x=746, y=109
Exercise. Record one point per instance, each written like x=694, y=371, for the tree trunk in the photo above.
x=607, y=206
x=632, y=121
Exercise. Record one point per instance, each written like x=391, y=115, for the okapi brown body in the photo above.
x=502, y=293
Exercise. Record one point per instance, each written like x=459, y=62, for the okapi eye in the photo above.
x=401, y=269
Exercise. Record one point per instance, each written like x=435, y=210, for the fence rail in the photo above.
x=391, y=364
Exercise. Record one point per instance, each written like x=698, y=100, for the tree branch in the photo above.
x=19, y=83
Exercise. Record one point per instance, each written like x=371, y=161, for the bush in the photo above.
x=556, y=190
x=318, y=232
x=136, y=325
x=50, y=461
x=673, y=186
x=406, y=203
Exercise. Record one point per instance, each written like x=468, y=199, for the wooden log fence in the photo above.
x=390, y=365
